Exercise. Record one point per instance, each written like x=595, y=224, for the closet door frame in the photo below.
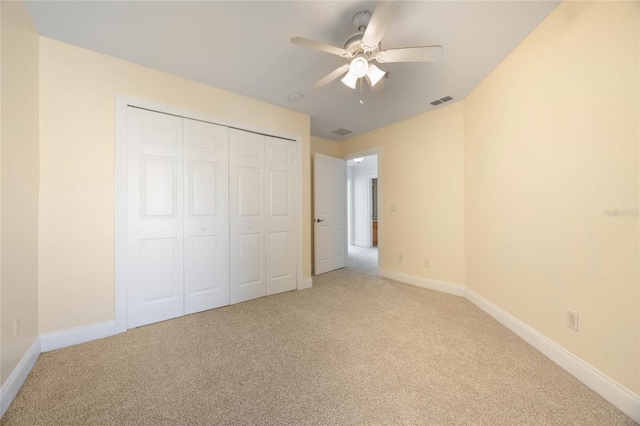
x=122, y=102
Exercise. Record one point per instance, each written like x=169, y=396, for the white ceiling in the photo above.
x=244, y=47
x=368, y=162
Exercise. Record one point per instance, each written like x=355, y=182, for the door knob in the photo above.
x=319, y=220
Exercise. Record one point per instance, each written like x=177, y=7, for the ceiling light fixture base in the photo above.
x=360, y=20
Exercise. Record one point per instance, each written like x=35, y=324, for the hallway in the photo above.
x=363, y=258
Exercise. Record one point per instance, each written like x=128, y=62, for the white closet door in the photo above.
x=154, y=217
x=247, y=210
x=206, y=225
x=281, y=214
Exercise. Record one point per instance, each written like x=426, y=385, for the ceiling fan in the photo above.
x=364, y=46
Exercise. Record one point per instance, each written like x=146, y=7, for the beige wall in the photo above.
x=421, y=175
x=551, y=142
x=77, y=89
x=324, y=146
x=19, y=176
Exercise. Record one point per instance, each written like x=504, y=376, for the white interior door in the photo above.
x=248, y=202
x=281, y=214
x=154, y=217
x=330, y=215
x=206, y=225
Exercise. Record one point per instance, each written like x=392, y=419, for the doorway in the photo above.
x=363, y=220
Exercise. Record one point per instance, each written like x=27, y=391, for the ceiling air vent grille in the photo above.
x=441, y=100
x=341, y=132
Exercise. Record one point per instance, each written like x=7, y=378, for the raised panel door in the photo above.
x=330, y=217
x=154, y=217
x=281, y=194
x=206, y=224
x=247, y=215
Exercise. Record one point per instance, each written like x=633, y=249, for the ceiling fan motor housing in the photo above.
x=353, y=45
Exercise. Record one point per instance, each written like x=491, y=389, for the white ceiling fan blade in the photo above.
x=380, y=87
x=300, y=41
x=410, y=54
x=331, y=76
x=382, y=17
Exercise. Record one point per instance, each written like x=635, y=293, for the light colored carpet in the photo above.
x=354, y=349
x=363, y=258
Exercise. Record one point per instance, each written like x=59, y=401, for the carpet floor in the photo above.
x=363, y=258
x=354, y=349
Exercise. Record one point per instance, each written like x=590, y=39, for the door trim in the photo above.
x=121, y=103
x=370, y=179
x=365, y=153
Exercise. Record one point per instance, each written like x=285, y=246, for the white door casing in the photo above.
x=154, y=217
x=206, y=223
x=330, y=217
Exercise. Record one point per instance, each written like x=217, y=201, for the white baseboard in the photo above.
x=74, y=336
x=15, y=381
x=441, y=286
x=305, y=283
x=619, y=396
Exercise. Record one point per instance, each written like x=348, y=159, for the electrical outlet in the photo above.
x=427, y=262
x=572, y=319
x=16, y=327
x=393, y=208
x=400, y=258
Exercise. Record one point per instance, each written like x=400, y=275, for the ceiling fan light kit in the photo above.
x=364, y=46
x=359, y=66
x=350, y=80
x=375, y=74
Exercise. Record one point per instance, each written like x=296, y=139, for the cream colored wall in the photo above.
x=19, y=191
x=326, y=147
x=421, y=175
x=77, y=89
x=551, y=142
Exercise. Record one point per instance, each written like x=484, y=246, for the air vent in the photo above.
x=441, y=100
x=342, y=132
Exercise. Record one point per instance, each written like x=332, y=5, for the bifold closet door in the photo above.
x=154, y=217
x=177, y=216
x=282, y=195
x=263, y=215
x=206, y=223
x=247, y=210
